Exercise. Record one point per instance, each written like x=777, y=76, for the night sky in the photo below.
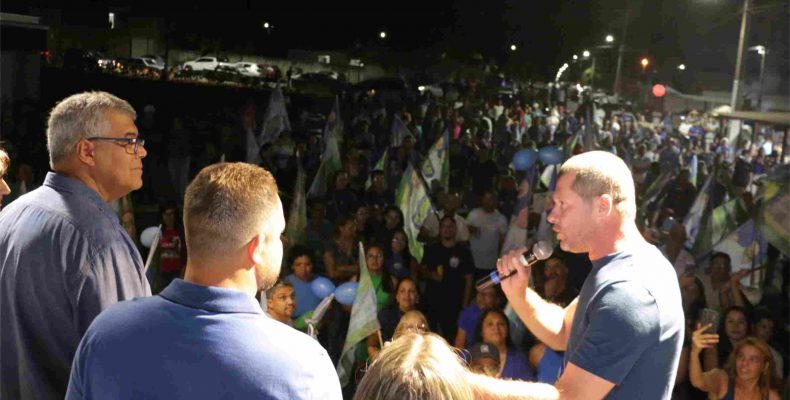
x=702, y=34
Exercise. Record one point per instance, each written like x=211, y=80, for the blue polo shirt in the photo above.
x=64, y=257
x=628, y=326
x=198, y=342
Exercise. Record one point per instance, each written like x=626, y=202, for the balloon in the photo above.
x=346, y=292
x=525, y=158
x=550, y=155
x=148, y=235
x=322, y=287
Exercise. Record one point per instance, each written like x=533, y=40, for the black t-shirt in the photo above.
x=456, y=262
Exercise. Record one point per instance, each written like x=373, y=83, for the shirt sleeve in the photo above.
x=623, y=323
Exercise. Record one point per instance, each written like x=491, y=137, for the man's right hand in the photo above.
x=515, y=286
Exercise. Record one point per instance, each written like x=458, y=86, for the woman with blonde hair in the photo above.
x=749, y=372
x=413, y=321
x=416, y=366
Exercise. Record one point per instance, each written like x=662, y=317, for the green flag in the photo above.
x=295, y=230
x=436, y=167
x=381, y=165
x=723, y=220
x=773, y=219
x=330, y=164
x=363, y=323
x=412, y=199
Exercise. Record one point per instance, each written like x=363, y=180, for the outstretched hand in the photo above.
x=701, y=340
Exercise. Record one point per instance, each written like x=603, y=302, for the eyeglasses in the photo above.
x=131, y=145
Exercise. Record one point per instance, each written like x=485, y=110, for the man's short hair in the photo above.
x=81, y=116
x=723, y=255
x=225, y=207
x=281, y=283
x=598, y=173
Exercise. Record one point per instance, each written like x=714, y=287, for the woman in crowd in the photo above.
x=470, y=316
x=399, y=261
x=750, y=372
x=393, y=222
x=416, y=366
x=493, y=329
x=173, y=257
x=341, y=256
x=382, y=281
x=5, y=161
x=413, y=321
x=301, y=262
x=735, y=326
x=406, y=299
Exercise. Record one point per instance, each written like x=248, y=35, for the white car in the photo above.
x=248, y=69
x=151, y=63
x=206, y=64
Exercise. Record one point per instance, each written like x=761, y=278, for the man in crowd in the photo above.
x=623, y=334
x=64, y=257
x=447, y=268
x=487, y=228
x=281, y=302
x=206, y=337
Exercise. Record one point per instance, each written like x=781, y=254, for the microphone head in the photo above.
x=542, y=250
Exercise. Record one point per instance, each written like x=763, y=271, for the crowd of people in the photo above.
x=227, y=250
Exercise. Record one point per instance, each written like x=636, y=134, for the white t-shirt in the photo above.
x=485, y=244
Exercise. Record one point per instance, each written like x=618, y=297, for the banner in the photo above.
x=275, y=120
x=436, y=167
x=296, y=229
x=330, y=164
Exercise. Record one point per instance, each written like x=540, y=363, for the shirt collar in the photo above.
x=210, y=298
x=63, y=183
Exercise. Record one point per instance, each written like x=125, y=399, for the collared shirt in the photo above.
x=64, y=258
x=198, y=342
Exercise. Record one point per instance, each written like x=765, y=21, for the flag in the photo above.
x=275, y=120
x=295, y=230
x=363, y=323
x=549, y=176
x=317, y=315
x=694, y=218
x=436, y=167
x=773, y=218
x=723, y=220
x=399, y=131
x=330, y=164
x=412, y=198
x=381, y=165
x=747, y=248
x=693, y=170
x=654, y=190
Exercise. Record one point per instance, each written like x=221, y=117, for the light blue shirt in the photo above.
x=64, y=258
x=198, y=342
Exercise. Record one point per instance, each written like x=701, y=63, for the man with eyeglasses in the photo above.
x=64, y=256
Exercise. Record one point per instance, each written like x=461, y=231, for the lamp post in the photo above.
x=762, y=51
x=620, y=51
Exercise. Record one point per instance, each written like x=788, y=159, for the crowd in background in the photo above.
x=672, y=158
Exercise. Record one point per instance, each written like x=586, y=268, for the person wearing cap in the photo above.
x=484, y=359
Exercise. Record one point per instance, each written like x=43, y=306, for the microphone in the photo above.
x=540, y=251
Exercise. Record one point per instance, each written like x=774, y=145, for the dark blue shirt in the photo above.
x=198, y=342
x=64, y=258
x=628, y=326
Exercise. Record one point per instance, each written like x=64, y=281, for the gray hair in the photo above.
x=81, y=116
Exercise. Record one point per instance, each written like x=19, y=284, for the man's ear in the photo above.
x=604, y=205
x=252, y=250
x=86, y=152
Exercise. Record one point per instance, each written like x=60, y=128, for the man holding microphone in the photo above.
x=622, y=335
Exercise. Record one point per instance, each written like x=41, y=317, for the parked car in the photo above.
x=248, y=69
x=206, y=64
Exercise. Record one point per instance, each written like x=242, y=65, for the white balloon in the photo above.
x=148, y=235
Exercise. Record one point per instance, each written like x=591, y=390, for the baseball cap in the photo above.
x=484, y=350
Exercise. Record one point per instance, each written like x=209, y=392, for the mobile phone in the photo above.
x=709, y=316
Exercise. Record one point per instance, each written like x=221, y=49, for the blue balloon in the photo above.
x=346, y=292
x=524, y=159
x=322, y=287
x=551, y=155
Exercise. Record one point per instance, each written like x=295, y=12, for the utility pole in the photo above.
x=616, y=89
x=739, y=58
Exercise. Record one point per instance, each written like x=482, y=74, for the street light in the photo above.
x=682, y=67
x=644, y=63
x=586, y=53
x=513, y=47
x=609, y=38
x=383, y=35
x=575, y=57
x=762, y=51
